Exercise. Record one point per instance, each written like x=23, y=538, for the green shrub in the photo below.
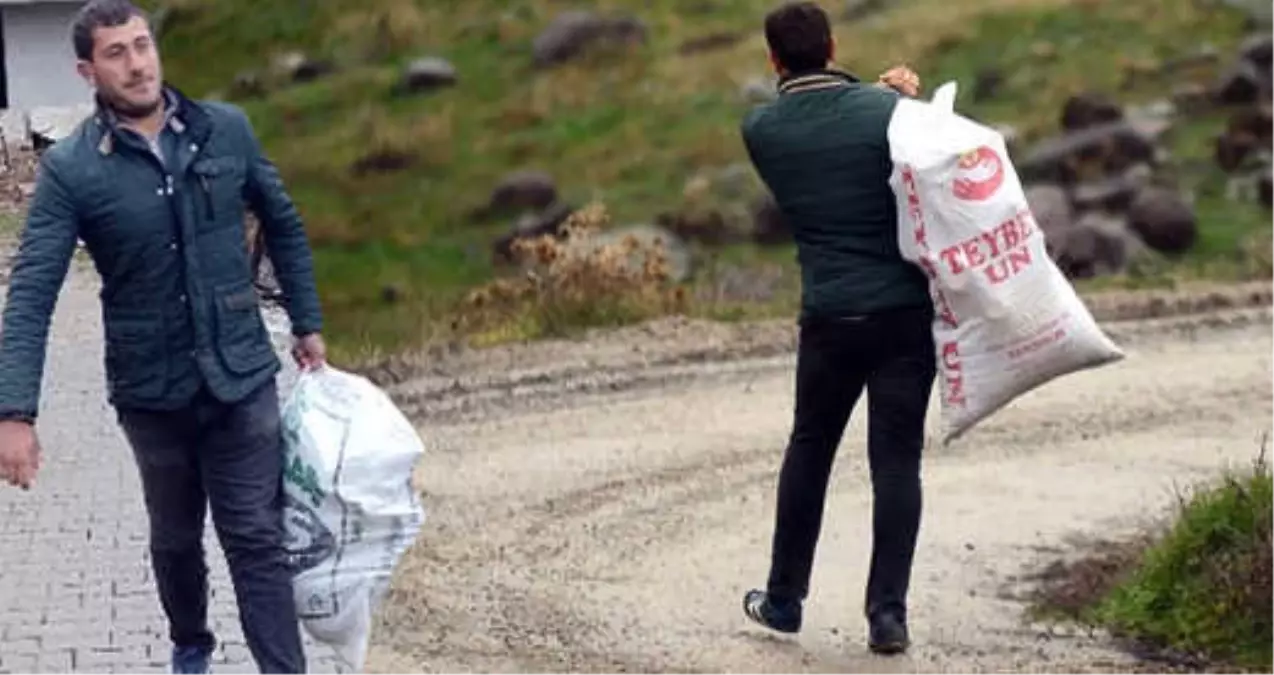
x=1196, y=593
x=1203, y=590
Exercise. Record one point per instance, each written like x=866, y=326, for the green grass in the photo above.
x=627, y=129
x=1205, y=588
x=1198, y=594
x=10, y=224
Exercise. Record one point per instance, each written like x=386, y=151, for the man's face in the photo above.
x=125, y=68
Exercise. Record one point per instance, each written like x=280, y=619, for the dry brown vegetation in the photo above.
x=574, y=280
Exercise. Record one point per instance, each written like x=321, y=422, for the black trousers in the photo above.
x=231, y=458
x=892, y=357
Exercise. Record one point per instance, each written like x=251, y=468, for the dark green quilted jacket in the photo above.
x=179, y=310
x=823, y=151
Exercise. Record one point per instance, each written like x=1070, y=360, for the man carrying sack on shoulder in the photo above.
x=822, y=150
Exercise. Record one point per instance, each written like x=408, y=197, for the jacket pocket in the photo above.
x=242, y=341
x=220, y=191
x=136, y=353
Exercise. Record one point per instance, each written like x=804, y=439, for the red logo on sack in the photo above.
x=980, y=173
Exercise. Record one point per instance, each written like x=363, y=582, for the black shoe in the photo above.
x=888, y=634
x=191, y=660
x=780, y=615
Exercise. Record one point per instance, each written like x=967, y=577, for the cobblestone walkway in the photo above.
x=76, y=590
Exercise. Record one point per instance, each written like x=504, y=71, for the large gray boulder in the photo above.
x=571, y=34
x=1163, y=219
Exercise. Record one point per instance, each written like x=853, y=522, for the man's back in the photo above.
x=822, y=150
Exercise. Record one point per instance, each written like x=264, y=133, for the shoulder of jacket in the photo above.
x=69, y=151
x=755, y=118
x=221, y=109
x=226, y=116
x=224, y=112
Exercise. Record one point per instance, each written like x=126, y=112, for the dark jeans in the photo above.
x=229, y=457
x=892, y=356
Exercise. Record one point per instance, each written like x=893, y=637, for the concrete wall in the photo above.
x=39, y=61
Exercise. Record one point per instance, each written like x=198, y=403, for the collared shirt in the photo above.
x=813, y=80
x=155, y=143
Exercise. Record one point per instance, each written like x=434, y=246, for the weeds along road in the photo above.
x=614, y=524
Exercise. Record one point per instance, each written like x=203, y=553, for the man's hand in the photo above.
x=19, y=453
x=310, y=352
x=902, y=79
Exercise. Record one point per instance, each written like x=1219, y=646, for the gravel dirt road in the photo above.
x=602, y=505
x=608, y=514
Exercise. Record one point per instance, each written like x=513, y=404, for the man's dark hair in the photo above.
x=99, y=14
x=800, y=36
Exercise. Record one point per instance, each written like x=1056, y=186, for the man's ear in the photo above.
x=85, y=69
x=831, y=53
x=774, y=63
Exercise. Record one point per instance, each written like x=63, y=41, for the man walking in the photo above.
x=155, y=184
x=822, y=150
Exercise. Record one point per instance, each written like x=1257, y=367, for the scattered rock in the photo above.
x=383, y=160
x=759, y=90
x=1052, y=210
x=1258, y=50
x=1162, y=219
x=1094, y=246
x=426, y=74
x=1256, y=121
x=1233, y=150
x=710, y=42
x=706, y=226
x=530, y=226
x=573, y=33
x=1246, y=135
x=1093, y=191
x=247, y=84
x=857, y=10
x=525, y=189
x=1240, y=83
x=1089, y=110
x=987, y=83
x=1088, y=153
x=1114, y=193
x=714, y=208
x=735, y=181
x=298, y=67
x=1265, y=188
x=391, y=294
x=769, y=225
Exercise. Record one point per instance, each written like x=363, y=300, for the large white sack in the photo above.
x=351, y=511
x=1007, y=320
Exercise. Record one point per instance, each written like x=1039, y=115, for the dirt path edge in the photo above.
x=447, y=382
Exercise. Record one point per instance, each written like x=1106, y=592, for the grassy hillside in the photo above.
x=629, y=129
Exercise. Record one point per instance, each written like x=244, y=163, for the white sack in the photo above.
x=1007, y=320
x=351, y=511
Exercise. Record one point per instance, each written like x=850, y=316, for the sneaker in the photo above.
x=888, y=634
x=191, y=660
x=783, y=616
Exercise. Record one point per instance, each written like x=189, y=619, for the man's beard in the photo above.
x=130, y=110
